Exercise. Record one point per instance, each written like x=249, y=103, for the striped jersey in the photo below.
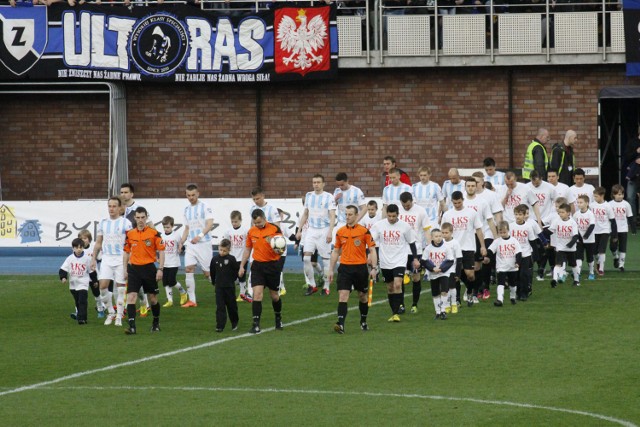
x=391, y=193
x=319, y=206
x=270, y=212
x=195, y=217
x=428, y=196
x=113, y=232
x=448, y=188
x=352, y=196
x=496, y=180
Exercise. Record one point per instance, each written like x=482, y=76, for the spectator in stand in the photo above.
x=536, y=157
x=563, y=159
x=388, y=163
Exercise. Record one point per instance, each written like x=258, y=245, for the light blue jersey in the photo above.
x=113, y=232
x=319, y=206
x=428, y=196
x=195, y=217
x=353, y=196
x=391, y=193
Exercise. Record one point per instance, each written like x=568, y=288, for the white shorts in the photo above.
x=199, y=254
x=112, y=268
x=316, y=239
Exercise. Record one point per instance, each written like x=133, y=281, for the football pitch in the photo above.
x=568, y=356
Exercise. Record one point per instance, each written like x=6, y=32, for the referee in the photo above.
x=140, y=247
x=265, y=269
x=352, y=242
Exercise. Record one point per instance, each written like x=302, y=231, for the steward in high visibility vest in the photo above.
x=536, y=156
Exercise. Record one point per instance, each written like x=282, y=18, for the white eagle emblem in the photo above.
x=302, y=41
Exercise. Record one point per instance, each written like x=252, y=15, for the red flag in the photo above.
x=302, y=40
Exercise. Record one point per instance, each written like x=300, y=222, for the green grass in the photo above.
x=574, y=349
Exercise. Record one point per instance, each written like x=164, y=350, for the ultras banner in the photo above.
x=172, y=43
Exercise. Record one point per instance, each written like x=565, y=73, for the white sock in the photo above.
x=308, y=270
x=327, y=270
x=179, y=288
x=513, y=291
x=169, y=292
x=445, y=300
x=105, y=295
x=557, y=272
x=120, y=300
x=436, y=304
x=144, y=299
x=576, y=274
x=601, y=258
x=317, y=268
x=591, y=267
x=190, y=280
x=579, y=264
x=282, y=281
x=622, y=257
x=453, y=295
x=500, y=292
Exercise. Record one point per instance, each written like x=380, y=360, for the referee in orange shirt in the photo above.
x=352, y=242
x=265, y=268
x=140, y=247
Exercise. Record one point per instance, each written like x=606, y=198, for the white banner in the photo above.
x=56, y=224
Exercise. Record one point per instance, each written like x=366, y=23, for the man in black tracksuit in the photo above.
x=224, y=272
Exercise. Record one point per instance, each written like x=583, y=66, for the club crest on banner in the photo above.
x=24, y=37
x=302, y=40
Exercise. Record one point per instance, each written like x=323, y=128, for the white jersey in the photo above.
x=497, y=180
x=79, y=269
x=113, y=232
x=520, y=195
x=584, y=221
x=391, y=193
x=171, y=245
x=622, y=211
x=448, y=189
x=585, y=190
x=393, y=241
x=563, y=232
x=506, y=251
x=353, y=196
x=481, y=205
x=546, y=194
x=417, y=219
x=457, y=253
x=319, y=207
x=604, y=214
x=428, y=196
x=524, y=233
x=195, y=217
x=465, y=223
x=437, y=255
x=563, y=190
x=271, y=214
x=368, y=221
x=238, y=239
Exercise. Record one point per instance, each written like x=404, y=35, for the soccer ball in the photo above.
x=279, y=244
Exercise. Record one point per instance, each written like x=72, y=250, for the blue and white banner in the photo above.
x=172, y=43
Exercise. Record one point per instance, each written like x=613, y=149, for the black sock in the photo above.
x=417, y=288
x=155, y=310
x=131, y=313
x=458, y=289
x=342, y=312
x=391, y=300
x=397, y=300
x=256, y=308
x=364, y=311
x=277, y=307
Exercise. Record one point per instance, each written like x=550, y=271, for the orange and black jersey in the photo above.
x=259, y=239
x=142, y=245
x=354, y=242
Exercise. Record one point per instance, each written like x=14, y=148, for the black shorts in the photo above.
x=439, y=285
x=565, y=256
x=468, y=260
x=266, y=274
x=142, y=277
x=353, y=275
x=601, y=243
x=390, y=274
x=170, y=276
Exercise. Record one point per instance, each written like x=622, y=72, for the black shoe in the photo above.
x=497, y=303
x=219, y=329
x=401, y=310
x=130, y=331
x=255, y=329
x=443, y=316
x=364, y=326
x=436, y=317
x=74, y=316
x=310, y=291
x=470, y=302
x=621, y=269
x=82, y=322
x=616, y=262
x=234, y=327
x=554, y=283
x=523, y=297
x=279, y=326
x=339, y=328
x=513, y=301
x=155, y=327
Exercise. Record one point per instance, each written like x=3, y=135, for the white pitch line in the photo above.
x=357, y=393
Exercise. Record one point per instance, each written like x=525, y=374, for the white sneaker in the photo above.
x=118, y=321
x=109, y=319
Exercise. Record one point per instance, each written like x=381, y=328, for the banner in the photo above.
x=631, y=14
x=172, y=43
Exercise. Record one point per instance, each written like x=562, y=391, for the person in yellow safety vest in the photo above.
x=536, y=156
x=562, y=158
